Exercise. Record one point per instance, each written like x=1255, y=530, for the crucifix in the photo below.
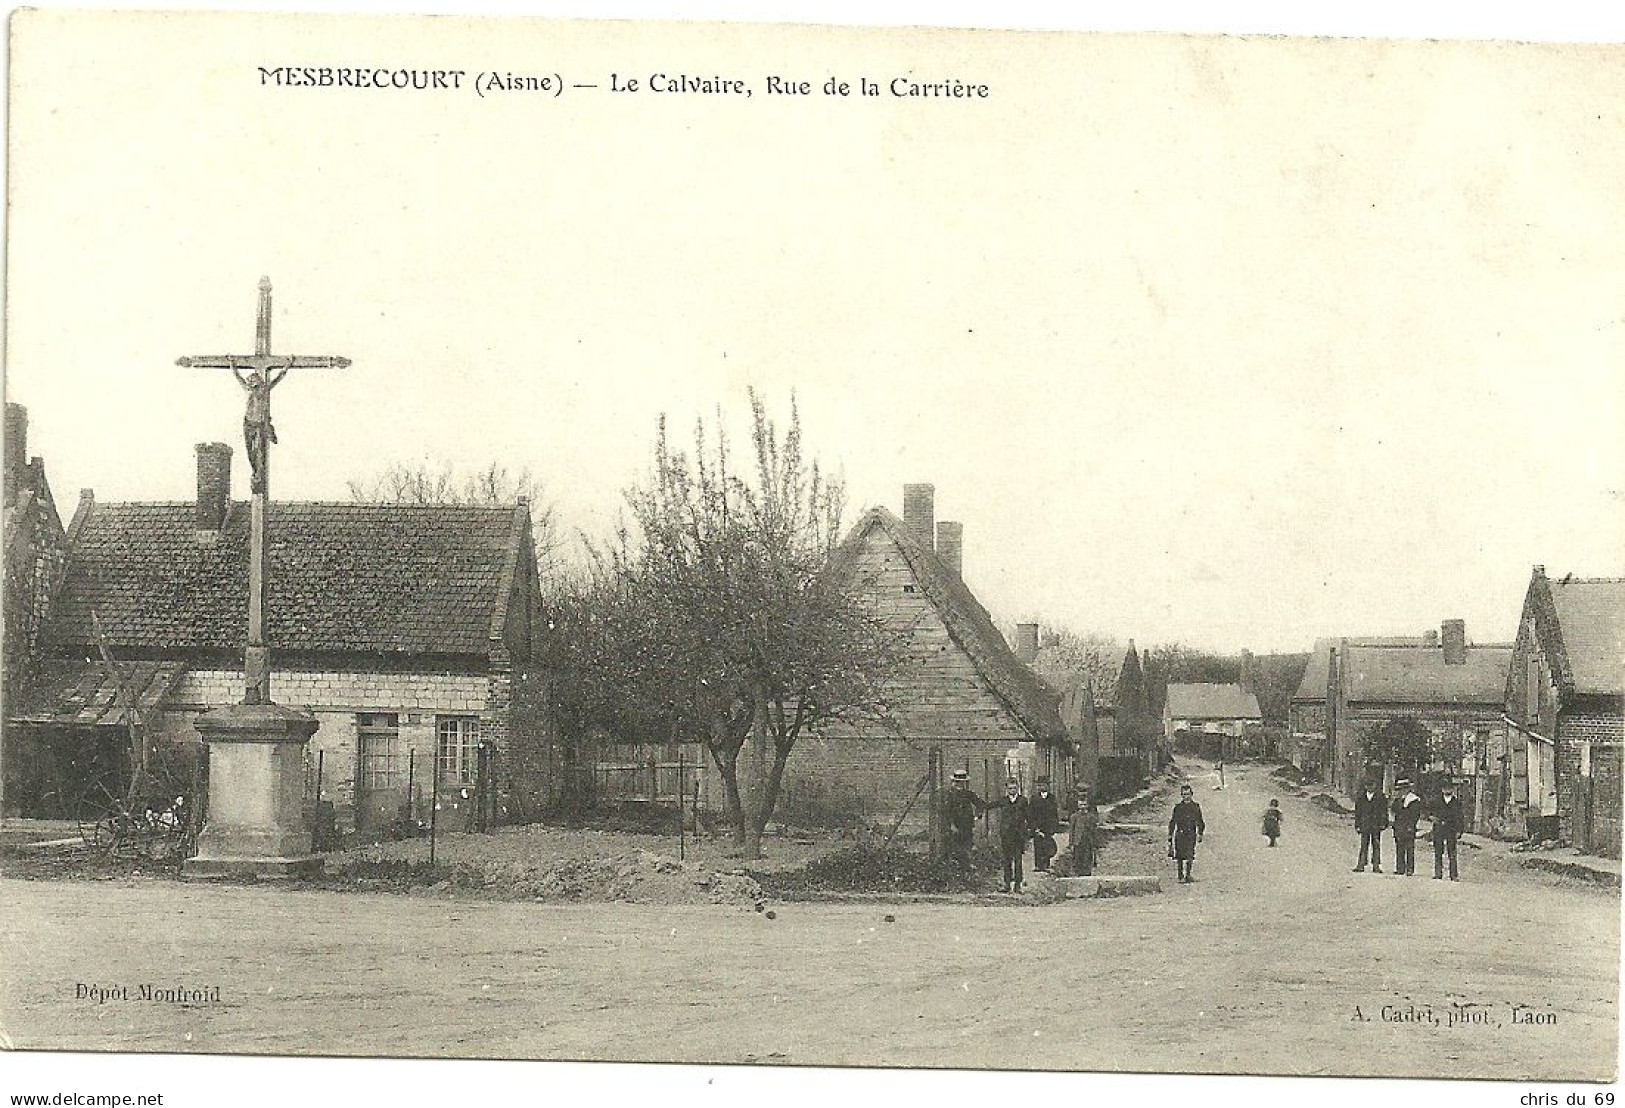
x=264, y=371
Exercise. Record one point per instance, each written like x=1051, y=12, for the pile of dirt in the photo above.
x=1290, y=774
x=876, y=869
x=1331, y=804
x=638, y=876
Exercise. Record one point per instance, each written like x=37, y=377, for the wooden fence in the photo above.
x=651, y=779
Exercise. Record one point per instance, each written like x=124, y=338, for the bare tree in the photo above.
x=1068, y=658
x=495, y=484
x=747, y=631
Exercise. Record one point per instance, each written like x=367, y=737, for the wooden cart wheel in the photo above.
x=97, y=814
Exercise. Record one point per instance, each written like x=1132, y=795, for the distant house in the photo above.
x=1220, y=718
x=1563, y=694
x=959, y=687
x=1113, y=717
x=36, y=550
x=407, y=630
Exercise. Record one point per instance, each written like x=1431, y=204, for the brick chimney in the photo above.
x=16, y=449
x=951, y=546
x=1027, y=642
x=1453, y=632
x=920, y=513
x=1246, y=678
x=213, y=488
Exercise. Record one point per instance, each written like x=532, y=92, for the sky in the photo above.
x=1234, y=342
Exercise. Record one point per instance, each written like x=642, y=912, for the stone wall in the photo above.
x=335, y=698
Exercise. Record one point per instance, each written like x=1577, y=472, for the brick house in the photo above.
x=407, y=630
x=1563, y=697
x=1308, y=741
x=36, y=550
x=959, y=686
x=1453, y=688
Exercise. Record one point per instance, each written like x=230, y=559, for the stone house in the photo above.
x=407, y=630
x=959, y=686
x=1221, y=719
x=1564, y=690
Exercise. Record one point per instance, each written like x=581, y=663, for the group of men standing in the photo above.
x=1374, y=814
x=1020, y=819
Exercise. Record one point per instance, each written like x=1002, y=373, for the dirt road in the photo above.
x=1276, y=961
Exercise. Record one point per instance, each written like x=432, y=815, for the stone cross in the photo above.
x=264, y=372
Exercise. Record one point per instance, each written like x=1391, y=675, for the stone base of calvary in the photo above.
x=256, y=824
x=256, y=820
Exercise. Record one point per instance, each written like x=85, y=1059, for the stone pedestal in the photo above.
x=256, y=820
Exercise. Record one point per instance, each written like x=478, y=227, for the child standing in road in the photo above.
x=1272, y=821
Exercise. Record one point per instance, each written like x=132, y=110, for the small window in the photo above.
x=1532, y=703
x=908, y=588
x=458, y=747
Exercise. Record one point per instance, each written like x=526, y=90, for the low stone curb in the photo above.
x=1075, y=888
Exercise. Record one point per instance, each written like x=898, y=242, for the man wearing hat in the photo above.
x=1370, y=820
x=1015, y=828
x=1407, y=814
x=1447, y=826
x=1046, y=821
x=959, y=810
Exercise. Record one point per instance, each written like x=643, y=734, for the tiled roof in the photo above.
x=1591, y=617
x=1211, y=701
x=371, y=578
x=95, y=693
x=1419, y=675
x=1313, y=685
x=1035, y=705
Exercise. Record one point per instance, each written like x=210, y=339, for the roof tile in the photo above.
x=372, y=578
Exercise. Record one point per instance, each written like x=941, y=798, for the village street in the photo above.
x=1275, y=961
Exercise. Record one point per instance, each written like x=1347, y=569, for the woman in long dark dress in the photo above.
x=1185, y=828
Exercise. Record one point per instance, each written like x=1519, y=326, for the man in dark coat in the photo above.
x=1083, y=837
x=1407, y=814
x=1185, y=830
x=959, y=809
x=1370, y=820
x=1447, y=826
x=1015, y=828
x=1046, y=820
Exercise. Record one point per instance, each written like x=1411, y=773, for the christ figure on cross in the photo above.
x=258, y=431
x=265, y=372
